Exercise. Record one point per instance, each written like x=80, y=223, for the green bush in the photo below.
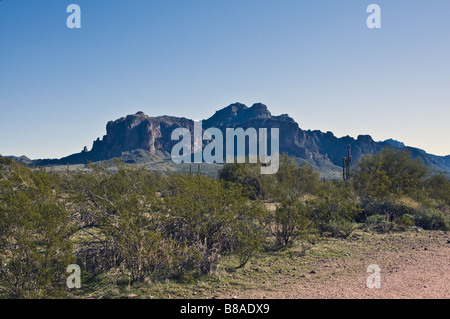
x=335, y=208
x=212, y=215
x=35, y=229
x=389, y=174
x=379, y=224
x=248, y=243
x=384, y=227
x=245, y=174
x=389, y=209
x=432, y=219
x=405, y=220
x=438, y=187
x=291, y=181
x=375, y=219
x=289, y=222
x=338, y=228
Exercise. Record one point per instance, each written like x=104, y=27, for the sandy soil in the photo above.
x=412, y=266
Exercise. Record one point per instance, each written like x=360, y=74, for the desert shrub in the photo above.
x=181, y=235
x=432, y=219
x=185, y=261
x=92, y=255
x=289, y=222
x=405, y=220
x=246, y=174
x=248, y=243
x=212, y=215
x=141, y=253
x=374, y=219
x=390, y=209
x=335, y=208
x=389, y=174
x=379, y=224
x=384, y=227
x=35, y=246
x=438, y=187
x=338, y=228
x=291, y=180
x=122, y=207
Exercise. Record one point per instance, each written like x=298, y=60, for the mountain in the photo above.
x=23, y=159
x=139, y=138
x=395, y=143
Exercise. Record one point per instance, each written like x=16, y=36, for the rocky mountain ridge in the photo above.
x=151, y=134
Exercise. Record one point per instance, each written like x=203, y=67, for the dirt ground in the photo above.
x=414, y=265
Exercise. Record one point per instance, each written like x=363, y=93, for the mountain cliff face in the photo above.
x=310, y=145
x=138, y=131
x=151, y=134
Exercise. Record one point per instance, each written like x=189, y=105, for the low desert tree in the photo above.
x=122, y=206
x=438, y=187
x=432, y=219
x=292, y=180
x=290, y=221
x=213, y=216
x=335, y=209
x=390, y=173
x=246, y=174
x=248, y=241
x=35, y=229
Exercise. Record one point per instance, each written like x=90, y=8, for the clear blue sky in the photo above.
x=313, y=59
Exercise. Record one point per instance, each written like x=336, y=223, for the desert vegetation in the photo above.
x=130, y=226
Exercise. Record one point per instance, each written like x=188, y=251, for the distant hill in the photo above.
x=395, y=143
x=139, y=138
x=23, y=159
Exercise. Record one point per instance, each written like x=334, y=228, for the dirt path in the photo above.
x=412, y=266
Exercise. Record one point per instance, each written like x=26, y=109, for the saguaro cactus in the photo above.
x=190, y=169
x=346, y=164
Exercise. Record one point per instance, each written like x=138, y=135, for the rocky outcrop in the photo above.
x=138, y=131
